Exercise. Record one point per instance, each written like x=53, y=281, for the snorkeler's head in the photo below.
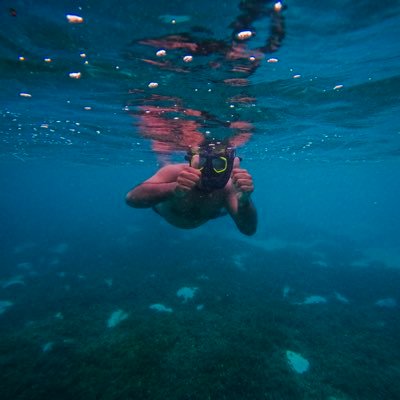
x=215, y=163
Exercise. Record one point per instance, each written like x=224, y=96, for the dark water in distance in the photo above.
x=311, y=101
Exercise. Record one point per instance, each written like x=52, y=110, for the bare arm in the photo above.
x=154, y=190
x=170, y=181
x=239, y=204
x=243, y=212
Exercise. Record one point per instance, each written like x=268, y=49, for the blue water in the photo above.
x=314, y=117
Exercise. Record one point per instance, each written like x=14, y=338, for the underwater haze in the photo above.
x=99, y=300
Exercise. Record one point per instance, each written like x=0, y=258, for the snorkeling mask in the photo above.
x=215, y=166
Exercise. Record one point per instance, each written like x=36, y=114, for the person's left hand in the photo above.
x=242, y=181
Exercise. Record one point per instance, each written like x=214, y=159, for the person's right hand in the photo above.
x=189, y=177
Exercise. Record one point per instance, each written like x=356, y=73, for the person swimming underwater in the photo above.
x=212, y=184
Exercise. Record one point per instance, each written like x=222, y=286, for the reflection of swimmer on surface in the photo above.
x=184, y=130
x=234, y=55
x=188, y=196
